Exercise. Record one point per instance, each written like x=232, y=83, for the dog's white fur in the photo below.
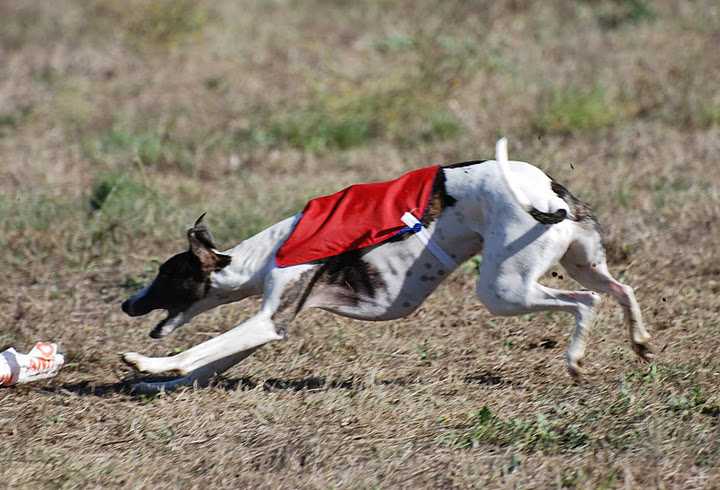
x=490, y=216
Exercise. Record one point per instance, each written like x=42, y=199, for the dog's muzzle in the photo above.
x=127, y=308
x=130, y=308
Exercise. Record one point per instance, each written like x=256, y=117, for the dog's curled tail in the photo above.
x=501, y=156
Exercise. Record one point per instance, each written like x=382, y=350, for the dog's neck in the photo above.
x=251, y=259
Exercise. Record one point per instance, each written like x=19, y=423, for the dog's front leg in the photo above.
x=247, y=336
x=285, y=291
x=200, y=377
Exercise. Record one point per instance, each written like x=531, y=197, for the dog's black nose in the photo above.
x=126, y=307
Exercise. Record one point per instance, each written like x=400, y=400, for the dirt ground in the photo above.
x=120, y=122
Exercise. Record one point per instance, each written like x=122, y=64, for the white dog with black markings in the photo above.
x=514, y=215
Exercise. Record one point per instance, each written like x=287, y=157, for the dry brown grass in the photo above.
x=157, y=111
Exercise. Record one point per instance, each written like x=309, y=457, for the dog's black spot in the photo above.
x=580, y=209
x=293, y=299
x=554, y=274
x=406, y=304
x=425, y=278
x=409, y=273
x=441, y=188
x=441, y=272
x=439, y=200
x=560, y=276
x=548, y=218
x=559, y=189
x=351, y=273
x=428, y=265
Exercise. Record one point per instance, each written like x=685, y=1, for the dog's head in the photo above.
x=182, y=283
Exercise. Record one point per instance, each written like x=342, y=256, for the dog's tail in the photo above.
x=501, y=156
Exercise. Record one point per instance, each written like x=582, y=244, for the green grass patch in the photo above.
x=120, y=207
x=404, y=116
x=572, y=110
x=72, y=105
x=169, y=22
x=30, y=212
x=318, y=128
x=694, y=400
x=394, y=43
x=615, y=14
x=669, y=191
x=484, y=427
x=119, y=196
x=230, y=228
x=407, y=109
x=258, y=208
x=120, y=145
x=709, y=116
x=11, y=120
x=119, y=210
x=444, y=57
x=116, y=211
x=36, y=226
x=160, y=24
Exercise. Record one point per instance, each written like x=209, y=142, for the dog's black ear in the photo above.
x=199, y=221
x=202, y=246
x=201, y=233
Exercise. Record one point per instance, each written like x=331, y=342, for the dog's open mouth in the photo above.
x=165, y=327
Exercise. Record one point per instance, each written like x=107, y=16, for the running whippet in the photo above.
x=518, y=218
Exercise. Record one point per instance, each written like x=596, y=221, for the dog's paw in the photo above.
x=575, y=369
x=151, y=365
x=135, y=361
x=643, y=351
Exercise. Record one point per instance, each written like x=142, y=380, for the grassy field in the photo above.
x=122, y=121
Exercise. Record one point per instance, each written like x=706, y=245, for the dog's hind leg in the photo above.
x=585, y=262
x=284, y=292
x=508, y=284
x=512, y=296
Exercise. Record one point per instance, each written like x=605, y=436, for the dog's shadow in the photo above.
x=127, y=386
x=311, y=383
x=89, y=388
